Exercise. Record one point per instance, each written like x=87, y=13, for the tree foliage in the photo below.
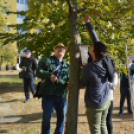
x=113, y=20
x=3, y=10
x=7, y=53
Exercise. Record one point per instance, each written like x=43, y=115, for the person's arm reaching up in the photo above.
x=94, y=38
x=90, y=29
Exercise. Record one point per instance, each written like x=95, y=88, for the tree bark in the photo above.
x=75, y=41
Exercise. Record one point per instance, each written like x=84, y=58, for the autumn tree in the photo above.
x=62, y=21
x=3, y=10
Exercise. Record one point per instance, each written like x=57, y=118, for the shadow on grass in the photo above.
x=6, y=87
x=3, y=131
x=12, y=83
x=14, y=100
x=33, y=118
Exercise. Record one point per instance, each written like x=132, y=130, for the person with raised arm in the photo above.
x=95, y=76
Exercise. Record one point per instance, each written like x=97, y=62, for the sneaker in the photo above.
x=120, y=114
x=130, y=113
x=26, y=100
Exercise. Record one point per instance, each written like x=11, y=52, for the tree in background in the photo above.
x=62, y=21
x=7, y=54
x=3, y=10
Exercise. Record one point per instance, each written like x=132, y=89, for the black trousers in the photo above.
x=124, y=93
x=109, y=119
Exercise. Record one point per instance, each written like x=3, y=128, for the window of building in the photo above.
x=8, y=28
x=22, y=1
x=22, y=16
x=18, y=16
x=26, y=2
x=7, y=14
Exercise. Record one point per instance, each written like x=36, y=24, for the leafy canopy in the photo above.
x=113, y=21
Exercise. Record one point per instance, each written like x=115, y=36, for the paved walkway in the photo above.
x=6, y=113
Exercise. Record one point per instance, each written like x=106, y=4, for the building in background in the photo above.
x=16, y=6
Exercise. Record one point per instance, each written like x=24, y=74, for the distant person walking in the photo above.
x=124, y=89
x=28, y=65
x=112, y=86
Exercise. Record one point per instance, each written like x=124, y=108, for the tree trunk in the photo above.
x=75, y=41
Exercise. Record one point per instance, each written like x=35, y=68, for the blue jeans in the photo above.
x=124, y=92
x=28, y=82
x=49, y=103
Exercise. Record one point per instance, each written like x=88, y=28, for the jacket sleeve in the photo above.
x=34, y=66
x=114, y=83
x=92, y=33
x=21, y=64
x=107, y=61
x=41, y=71
x=66, y=79
x=84, y=78
x=131, y=71
x=109, y=67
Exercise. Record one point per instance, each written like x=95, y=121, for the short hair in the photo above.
x=113, y=63
x=100, y=50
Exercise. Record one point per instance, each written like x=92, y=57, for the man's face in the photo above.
x=28, y=55
x=60, y=52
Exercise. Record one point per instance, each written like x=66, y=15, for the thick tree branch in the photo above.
x=69, y=3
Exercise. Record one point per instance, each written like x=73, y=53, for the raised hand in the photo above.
x=86, y=18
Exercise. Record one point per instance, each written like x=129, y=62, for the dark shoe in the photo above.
x=34, y=95
x=26, y=100
x=120, y=114
x=130, y=113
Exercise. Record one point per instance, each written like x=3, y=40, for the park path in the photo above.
x=7, y=114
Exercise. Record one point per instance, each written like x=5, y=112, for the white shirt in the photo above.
x=113, y=85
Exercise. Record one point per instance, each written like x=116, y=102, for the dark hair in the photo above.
x=113, y=63
x=100, y=50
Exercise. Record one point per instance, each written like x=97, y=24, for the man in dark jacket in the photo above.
x=29, y=65
x=125, y=89
x=55, y=71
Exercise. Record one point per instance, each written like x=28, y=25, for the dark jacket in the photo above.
x=124, y=82
x=106, y=60
x=45, y=68
x=30, y=65
x=95, y=79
